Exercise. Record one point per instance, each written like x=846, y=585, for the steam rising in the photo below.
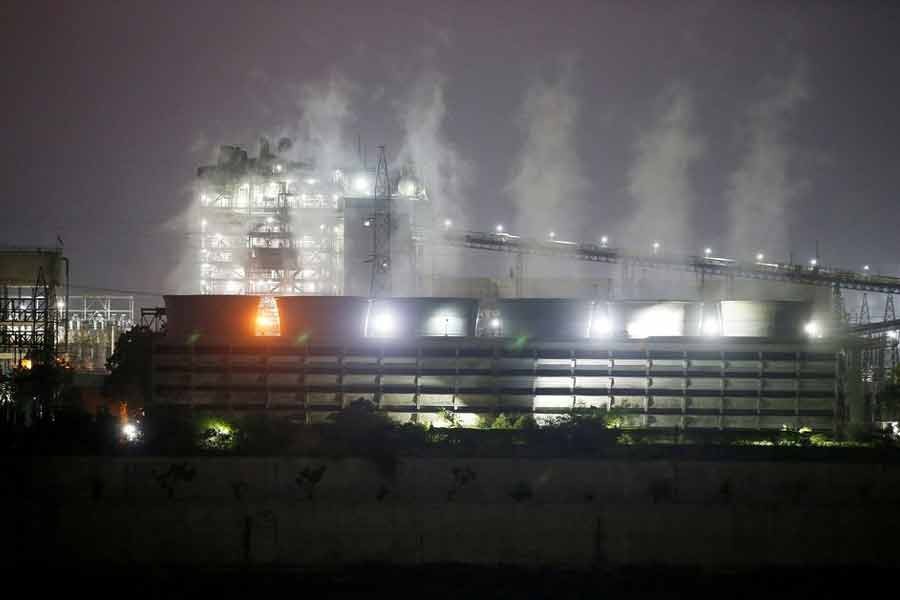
x=548, y=186
x=761, y=189
x=435, y=159
x=327, y=113
x=659, y=181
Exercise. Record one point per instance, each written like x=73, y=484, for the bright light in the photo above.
x=130, y=431
x=407, y=187
x=655, y=247
x=26, y=364
x=552, y=234
x=707, y=251
x=361, y=184
x=495, y=323
x=270, y=220
x=383, y=324
x=710, y=327
x=203, y=223
x=263, y=321
x=311, y=181
x=445, y=324
x=221, y=428
x=602, y=326
x=813, y=262
x=604, y=240
x=278, y=168
x=367, y=223
x=659, y=320
x=322, y=227
x=892, y=335
x=448, y=223
x=499, y=228
x=60, y=304
x=813, y=329
x=760, y=256
x=865, y=267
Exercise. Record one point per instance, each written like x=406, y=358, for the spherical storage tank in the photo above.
x=422, y=317
x=211, y=316
x=317, y=318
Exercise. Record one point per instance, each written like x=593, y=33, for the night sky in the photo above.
x=685, y=120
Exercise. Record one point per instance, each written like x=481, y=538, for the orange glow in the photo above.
x=263, y=321
x=25, y=363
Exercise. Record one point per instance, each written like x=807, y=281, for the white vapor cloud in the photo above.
x=444, y=172
x=762, y=188
x=327, y=114
x=659, y=180
x=548, y=186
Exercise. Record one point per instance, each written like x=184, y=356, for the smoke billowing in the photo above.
x=659, y=180
x=762, y=189
x=435, y=159
x=548, y=186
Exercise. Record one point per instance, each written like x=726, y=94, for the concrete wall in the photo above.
x=563, y=512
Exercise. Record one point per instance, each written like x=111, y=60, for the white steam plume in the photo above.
x=444, y=172
x=659, y=181
x=326, y=115
x=761, y=189
x=548, y=185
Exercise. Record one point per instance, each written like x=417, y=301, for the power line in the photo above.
x=120, y=291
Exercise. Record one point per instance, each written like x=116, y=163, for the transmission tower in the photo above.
x=380, y=283
x=838, y=311
x=889, y=314
x=864, y=316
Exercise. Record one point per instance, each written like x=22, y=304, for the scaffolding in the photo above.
x=28, y=321
x=32, y=304
x=269, y=226
x=273, y=226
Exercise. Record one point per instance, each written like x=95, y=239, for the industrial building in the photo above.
x=316, y=285
x=41, y=320
x=33, y=287
x=741, y=365
x=270, y=226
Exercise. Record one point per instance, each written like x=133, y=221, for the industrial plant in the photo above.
x=317, y=287
x=272, y=226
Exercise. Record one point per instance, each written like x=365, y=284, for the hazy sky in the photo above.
x=731, y=124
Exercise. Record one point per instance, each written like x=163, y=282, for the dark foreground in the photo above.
x=464, y=582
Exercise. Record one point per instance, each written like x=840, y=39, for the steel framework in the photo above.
x=29, y=320
x=380, y=283
x=268, y=226
x=818, y=275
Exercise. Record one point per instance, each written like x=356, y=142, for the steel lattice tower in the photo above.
x=380, y=283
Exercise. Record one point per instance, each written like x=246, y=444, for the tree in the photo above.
x=129, y=366
x=36, y=385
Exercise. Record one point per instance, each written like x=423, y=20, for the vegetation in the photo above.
x=129, y=366
x=362, y=430
x=33, y=391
